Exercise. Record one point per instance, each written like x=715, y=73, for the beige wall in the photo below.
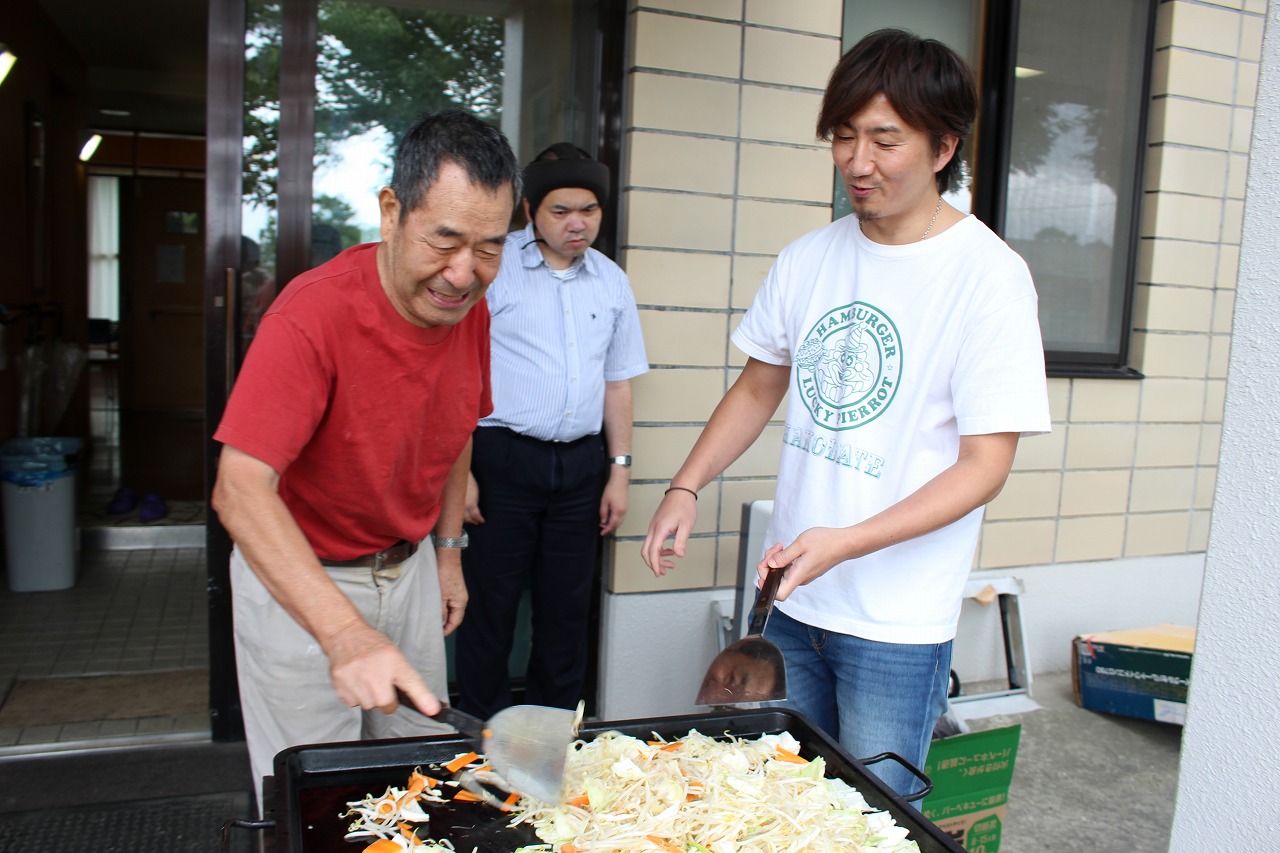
x=722, y=169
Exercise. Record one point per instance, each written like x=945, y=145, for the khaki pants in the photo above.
x=286, y=695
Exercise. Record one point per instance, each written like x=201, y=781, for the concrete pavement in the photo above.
x=1086, y=782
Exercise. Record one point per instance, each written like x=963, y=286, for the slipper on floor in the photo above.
x=153, y=508
x=125, y=500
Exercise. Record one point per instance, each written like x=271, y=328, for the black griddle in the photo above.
x=313, y=784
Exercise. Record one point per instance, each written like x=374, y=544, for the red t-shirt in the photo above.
x=361, y=412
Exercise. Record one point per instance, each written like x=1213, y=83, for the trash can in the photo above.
x=38, y=483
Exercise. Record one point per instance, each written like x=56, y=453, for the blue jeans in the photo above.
x=872, y=697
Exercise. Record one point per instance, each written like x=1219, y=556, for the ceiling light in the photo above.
x=90, y=147
x=1023, y=73
x=110, y=112
x=6, y=61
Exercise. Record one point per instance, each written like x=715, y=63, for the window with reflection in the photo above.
x=1062, y=155
x=368, y=70
x=530, y=67
x=1075, y=147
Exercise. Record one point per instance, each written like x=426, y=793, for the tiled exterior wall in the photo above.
x=722, y=169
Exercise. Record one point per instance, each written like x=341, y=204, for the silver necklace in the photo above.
x=932, y=222
x=936, y=211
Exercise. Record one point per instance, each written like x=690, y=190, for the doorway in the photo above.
x=161, y=338
x=307, y=101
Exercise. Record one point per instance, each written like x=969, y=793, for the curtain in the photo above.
x=104, y=247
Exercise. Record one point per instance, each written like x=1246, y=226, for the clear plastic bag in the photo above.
x=48, y=373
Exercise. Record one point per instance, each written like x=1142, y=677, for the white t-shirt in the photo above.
x=895, y=352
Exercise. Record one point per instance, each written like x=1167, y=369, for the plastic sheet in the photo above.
x=36, y=461
x=48, y=373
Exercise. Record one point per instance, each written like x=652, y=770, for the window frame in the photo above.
x=991, y=174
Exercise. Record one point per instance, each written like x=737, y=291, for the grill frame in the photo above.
x=307, y=778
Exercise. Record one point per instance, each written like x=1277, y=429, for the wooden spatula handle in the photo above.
x=764, y=600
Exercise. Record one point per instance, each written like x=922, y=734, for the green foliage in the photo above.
x=261, y=103
x=331, y=210
x=377, y=66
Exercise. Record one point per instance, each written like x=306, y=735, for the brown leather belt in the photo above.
x=387, y=557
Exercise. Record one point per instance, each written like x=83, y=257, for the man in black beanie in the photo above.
x=551, y=466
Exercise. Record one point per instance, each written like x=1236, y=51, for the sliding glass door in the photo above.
x=307, y=99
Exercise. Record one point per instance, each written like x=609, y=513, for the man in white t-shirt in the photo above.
x=908, y=336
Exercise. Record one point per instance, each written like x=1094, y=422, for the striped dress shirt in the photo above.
x=557, y=338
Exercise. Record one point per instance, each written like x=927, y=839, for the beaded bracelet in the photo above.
x=681, y=489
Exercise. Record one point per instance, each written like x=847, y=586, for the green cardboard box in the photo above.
x=971, y=775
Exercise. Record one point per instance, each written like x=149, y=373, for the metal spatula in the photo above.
x=526, y=744
x=751, y=669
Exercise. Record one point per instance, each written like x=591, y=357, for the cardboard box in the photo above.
x=971, y=774
x=1141, y=672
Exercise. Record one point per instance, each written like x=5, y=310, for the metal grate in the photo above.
x=179, y=825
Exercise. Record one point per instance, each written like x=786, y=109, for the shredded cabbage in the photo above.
x=387, y=818
x=698, y=794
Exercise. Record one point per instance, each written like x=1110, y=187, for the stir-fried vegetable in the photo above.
x=388, y=818
x=702, y=795
x=696, y=794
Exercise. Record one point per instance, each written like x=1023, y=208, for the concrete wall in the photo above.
x=1231, y=750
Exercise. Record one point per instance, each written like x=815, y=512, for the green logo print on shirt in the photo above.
x=847, y=367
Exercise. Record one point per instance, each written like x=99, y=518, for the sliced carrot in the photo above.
x=581, y=802
x=664, y=844
x=675, y=744
x=467, y=797
x=569, y=848
x=511, y=799
x=461, y=761
x=383, y=845
x=788, y=755
x=418, y=783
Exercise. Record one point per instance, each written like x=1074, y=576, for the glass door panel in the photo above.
x=263, y=40
x=307, y=99
x=379, y=69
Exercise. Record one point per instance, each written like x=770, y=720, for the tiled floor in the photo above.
x=140, y=609
x=130, y=611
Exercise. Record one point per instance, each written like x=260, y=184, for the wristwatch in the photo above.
x=624, y=461
x=450, y=541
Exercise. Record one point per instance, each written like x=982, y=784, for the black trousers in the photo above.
x=541, y=505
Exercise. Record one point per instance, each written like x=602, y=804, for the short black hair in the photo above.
x=927, y=83
x=452, y=136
